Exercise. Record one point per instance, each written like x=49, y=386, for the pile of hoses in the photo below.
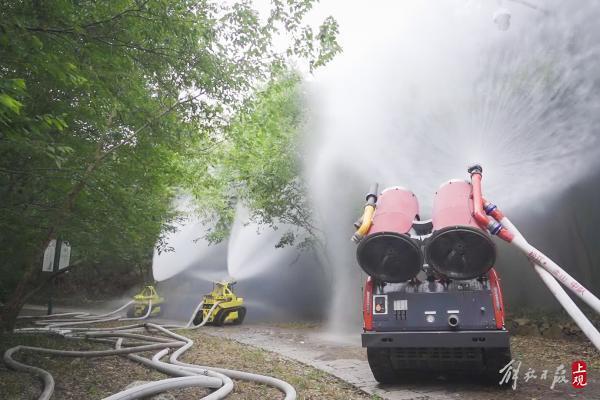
x=128, y=341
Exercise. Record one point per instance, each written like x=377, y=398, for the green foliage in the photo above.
x=258, y=165
x=104, y=106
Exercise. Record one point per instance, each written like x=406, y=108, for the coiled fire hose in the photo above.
x=127, y=343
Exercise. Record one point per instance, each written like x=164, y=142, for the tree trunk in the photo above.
x=10, y=311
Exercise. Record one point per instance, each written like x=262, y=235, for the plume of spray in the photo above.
x=186, y=246
x=278, y=283
x=425, y=88
x=251, y=248
x=189, y=265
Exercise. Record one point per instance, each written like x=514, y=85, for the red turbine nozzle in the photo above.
x=459, y=247
x=387, y=252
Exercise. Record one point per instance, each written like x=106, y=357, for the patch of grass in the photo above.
x=310, y=383
x=541, y=353
x=95, y=378
x=75, y=378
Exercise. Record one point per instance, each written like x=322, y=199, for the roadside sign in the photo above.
x=48, y=265
x=50, y=253
x=65, y=255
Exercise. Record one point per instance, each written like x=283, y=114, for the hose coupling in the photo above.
x=489, y=208
x=494, y=227
x=371, y=196
x=475, y=169
x=357, y=237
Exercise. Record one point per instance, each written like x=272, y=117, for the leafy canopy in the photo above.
x=258, y=166
x=103, y=104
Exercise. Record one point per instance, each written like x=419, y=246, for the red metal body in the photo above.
x=497, y=301
x=396, y=209
x=452, y=206
x=497, y=298
x=459, y=247
x=367, y=304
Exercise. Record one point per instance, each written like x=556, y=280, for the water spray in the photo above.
x=502, y=15
x=502, y=19
x=530, y=93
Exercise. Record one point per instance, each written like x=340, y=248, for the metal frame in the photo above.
x=489, y=338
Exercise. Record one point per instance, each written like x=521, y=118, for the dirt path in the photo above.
x=344, y=358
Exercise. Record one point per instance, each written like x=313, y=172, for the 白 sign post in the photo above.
x=56, y=257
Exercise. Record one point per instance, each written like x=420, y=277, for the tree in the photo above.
x=100, y=100
x=258, y=165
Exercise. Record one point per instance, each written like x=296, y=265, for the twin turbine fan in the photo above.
x=396, y=244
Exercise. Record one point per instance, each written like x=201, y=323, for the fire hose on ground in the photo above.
x=128, y=343
x=489, y=217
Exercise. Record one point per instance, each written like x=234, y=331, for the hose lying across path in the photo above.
x=135, y=338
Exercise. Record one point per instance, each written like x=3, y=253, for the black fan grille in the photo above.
x=389, y=256
x=461, y=252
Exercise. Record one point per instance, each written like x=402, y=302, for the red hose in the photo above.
x=478, y=212
x=506, y=235
x=498, y=298
x=496, y=213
